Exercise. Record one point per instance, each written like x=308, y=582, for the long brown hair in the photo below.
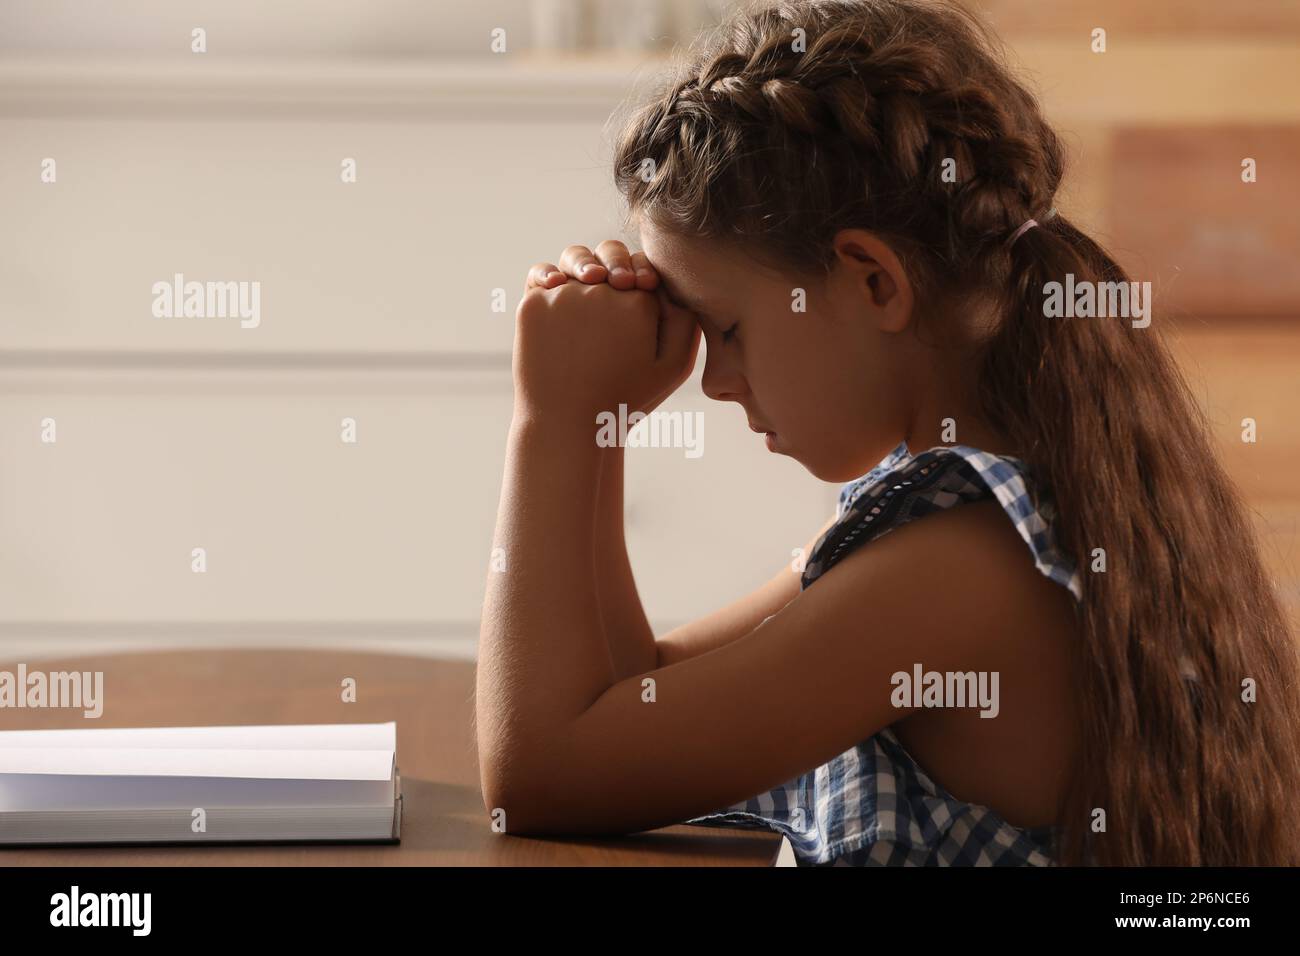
x=791, y=122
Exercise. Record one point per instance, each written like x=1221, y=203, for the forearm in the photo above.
x=631, y=640
x=543, y=658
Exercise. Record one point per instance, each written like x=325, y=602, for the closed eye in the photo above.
x=730, y=333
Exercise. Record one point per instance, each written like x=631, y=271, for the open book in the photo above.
x=307, y=782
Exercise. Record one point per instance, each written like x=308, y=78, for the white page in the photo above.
x=254, y=737
x=201, y=762
x=47, y=793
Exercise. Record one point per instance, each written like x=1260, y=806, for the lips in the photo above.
x=761, y=429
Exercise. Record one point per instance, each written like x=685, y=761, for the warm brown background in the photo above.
x=1159, y=126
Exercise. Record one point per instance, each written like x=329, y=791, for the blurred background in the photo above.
x=377, y=296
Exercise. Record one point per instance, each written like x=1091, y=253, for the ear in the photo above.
x=876, y=272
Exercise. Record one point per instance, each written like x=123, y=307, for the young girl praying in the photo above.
x=1036, y=630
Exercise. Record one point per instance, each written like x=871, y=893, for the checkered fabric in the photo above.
x=874, y=805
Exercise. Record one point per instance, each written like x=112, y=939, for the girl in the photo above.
x=1084, y=567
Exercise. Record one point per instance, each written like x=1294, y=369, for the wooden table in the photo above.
x=444, y=820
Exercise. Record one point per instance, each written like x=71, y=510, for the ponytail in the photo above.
x=1176, y=609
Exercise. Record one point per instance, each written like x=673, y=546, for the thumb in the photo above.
x=679, y=335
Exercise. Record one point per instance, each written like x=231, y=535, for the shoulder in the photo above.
x=963, y=569
x=939, y=481
x=960, y=583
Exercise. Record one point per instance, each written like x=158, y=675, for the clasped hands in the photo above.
x=595, y=332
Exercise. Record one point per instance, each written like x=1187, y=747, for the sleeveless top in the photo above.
x=875, y=805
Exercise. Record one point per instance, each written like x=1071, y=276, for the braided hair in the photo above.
x=792, y=122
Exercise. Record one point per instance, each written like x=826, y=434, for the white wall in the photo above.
x=374, y=28
x=175, y=433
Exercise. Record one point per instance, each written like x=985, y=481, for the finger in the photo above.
x=579, y=262
x=647, y=277
x=617, y=262
x=544, y=275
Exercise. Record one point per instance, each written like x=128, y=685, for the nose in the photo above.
x=722, y=380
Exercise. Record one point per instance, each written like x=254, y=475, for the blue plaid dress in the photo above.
x=874, y=805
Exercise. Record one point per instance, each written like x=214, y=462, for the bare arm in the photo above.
x=736, y=619
x=632, y=643
x=627, y=632
x=631, y=640
x=564, y=746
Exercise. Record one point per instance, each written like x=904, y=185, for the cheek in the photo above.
x=784, y=372
x=825, y=362
x=797, y=344
x=783, y=368
x=834, y=401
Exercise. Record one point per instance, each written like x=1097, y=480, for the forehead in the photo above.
x=692, y=271
x=682, y=256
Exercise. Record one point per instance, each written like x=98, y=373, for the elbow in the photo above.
x=523, y=804
x=551, y=812
x=497, y=803
x=499, y=784
x=513, y=809
x=538, y=786
x=514, y=804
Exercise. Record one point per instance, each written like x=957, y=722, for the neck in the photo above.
x=942, y=412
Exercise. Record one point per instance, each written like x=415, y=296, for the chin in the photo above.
x=835, y=464
x=835, y=471
x=824, y=472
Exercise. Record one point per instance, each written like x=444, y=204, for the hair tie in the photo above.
x=1029, y=224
